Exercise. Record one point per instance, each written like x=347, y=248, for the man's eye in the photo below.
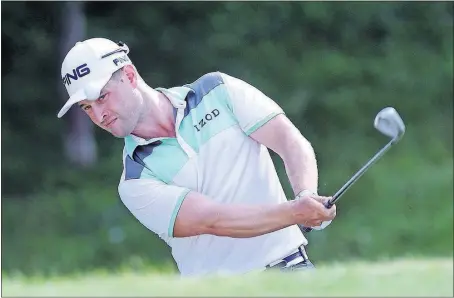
x=102, y=97
x=86, y=108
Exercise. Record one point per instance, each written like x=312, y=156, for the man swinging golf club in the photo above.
x=197, y=171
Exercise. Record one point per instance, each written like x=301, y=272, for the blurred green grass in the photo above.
x=403, y=277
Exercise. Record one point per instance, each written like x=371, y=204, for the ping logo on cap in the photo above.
x=78, y=72
x=122, y=59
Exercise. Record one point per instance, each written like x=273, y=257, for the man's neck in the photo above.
x=157, y=117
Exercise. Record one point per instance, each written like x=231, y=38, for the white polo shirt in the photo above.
x=214, y=155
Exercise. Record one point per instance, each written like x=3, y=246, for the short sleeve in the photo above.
x=249, y=105
x=154, y=203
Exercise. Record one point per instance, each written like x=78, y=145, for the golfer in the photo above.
x=196, y=166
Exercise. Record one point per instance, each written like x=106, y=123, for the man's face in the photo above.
x=117, y=110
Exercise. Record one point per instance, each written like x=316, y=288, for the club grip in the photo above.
x=328, y=205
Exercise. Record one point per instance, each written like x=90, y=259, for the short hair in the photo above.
x=116, y=75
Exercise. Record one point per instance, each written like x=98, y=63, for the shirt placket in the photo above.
x=185, y=146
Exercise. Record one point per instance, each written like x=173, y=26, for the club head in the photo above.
x=389, y=123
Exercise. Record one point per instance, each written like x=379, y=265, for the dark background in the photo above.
x=331, y=65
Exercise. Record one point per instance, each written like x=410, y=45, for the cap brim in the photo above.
x=81, y=94
x=75, y=98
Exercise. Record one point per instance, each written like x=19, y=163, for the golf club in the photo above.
x=389, y=123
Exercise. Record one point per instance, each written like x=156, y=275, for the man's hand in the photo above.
x=310, y=210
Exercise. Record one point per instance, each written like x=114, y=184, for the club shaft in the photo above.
x=354, y=178
x=360, y=172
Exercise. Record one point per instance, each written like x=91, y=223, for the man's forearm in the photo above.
x=241, y=221
x=200, y=215
x=301, y=165
x=281, y=136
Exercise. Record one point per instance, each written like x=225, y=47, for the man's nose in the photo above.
x=99, y=113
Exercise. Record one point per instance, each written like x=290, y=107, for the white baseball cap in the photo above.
x=88, y=67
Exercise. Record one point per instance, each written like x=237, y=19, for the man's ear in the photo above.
x=131, y=74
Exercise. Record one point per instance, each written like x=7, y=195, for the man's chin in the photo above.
x=118, y=134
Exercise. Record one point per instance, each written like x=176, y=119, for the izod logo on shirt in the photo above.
x=208, y=117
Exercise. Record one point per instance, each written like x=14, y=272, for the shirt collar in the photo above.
x=176, y=96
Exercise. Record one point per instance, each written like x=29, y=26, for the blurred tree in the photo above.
x=79, y=140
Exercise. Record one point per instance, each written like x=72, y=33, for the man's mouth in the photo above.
x=108, y=124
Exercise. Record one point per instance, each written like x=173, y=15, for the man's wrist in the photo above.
x=306, y=192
